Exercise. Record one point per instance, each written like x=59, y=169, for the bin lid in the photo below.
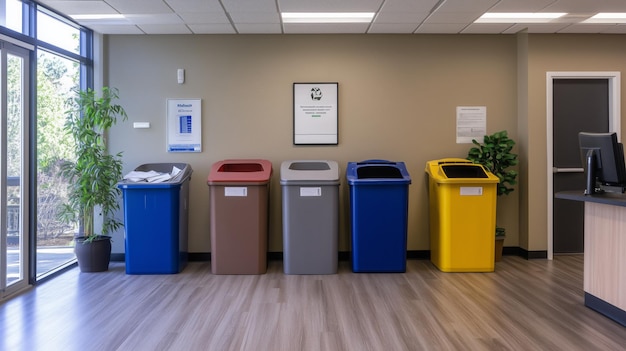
x=156, y=175
x=239, y=171
x=321, y=172
x=458, y=170
x=377, y=172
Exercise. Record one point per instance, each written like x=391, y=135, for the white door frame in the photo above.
x=614, y=126
x=22, y=281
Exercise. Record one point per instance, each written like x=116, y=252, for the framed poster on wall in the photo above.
x=315, y=113
x=184, y=125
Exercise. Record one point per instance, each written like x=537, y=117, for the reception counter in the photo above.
x=605, y=252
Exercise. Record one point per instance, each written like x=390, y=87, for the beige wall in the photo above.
x=554, y=53
x=397, y=100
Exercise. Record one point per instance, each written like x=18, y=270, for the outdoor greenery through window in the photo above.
x=13, y=155
x=57, y=77
x=61, y=68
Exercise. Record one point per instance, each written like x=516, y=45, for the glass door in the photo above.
x=14, y=68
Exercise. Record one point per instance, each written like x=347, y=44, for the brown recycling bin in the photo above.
x=239, y=192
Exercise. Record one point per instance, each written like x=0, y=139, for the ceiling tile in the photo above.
x=328, y=5
x=255, y=28
x=473, y=6
x=165, y=29
x=116, y=29
x=400, y=17
x=618, y=29
x=486, y=28
x=521, y=6
x=203, y=17
x=588, y=28
x=255, y=17
x=453, y=17
x=140, y=6
x=409, y=6
x=392, y=16
x=249, y=6
x=388, y=28
x=156, y=19
x=195, y=5
x=587, y=6
x=536, y=28
x=81, y=7
x=212, y=28
x=440, y=28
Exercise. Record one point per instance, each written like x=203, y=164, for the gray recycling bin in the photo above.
x=156, y=220
x=310, y=193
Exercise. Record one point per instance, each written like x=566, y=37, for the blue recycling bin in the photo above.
x=379, y=192
x=156, y=221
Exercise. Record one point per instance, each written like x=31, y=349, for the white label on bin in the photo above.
x=310, y=191
x=236, y=191
x=471, y=190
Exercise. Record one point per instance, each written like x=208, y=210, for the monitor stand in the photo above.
x=611, y=189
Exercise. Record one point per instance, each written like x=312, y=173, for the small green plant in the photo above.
x=94, y=175
x=495, y=155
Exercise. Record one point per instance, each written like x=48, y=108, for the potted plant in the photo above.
x=93, y=176
x=495, y=155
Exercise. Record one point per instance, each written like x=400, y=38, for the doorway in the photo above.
x=14, y=97
x=576, y=101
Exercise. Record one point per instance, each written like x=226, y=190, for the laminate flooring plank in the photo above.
x=523, y=305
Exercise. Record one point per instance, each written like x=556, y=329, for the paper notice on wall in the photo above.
x=471, y=123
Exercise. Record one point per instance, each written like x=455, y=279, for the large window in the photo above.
x=13, y=9
x=57, y=62
x=57, y=77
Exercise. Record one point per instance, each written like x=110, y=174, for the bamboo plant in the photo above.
x=94, y=174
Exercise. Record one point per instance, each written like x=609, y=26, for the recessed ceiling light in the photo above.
x=519, y=17
x=607, y=17
x=327, y=17
x=97, y=16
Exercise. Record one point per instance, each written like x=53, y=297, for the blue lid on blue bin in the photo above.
x=377, y=172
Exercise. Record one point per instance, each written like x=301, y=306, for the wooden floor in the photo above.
x=524, y=305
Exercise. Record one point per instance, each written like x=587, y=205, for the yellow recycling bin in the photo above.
x=462, y=205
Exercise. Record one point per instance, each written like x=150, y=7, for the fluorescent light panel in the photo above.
x=327, y=17
x=607, y=17
x=519, y=17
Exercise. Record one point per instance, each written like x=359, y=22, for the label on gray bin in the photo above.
x=471, y=190
x=236, y=191
x=308, y=191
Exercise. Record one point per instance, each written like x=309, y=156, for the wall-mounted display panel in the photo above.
x=315, y=113
x=184, y=125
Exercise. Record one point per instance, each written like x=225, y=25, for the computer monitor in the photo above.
x=603, y=160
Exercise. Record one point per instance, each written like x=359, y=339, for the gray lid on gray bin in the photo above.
x=309, y=170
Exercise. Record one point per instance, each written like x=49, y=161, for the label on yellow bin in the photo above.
x=471, y=190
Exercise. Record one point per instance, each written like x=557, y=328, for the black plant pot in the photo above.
x=93, y=256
